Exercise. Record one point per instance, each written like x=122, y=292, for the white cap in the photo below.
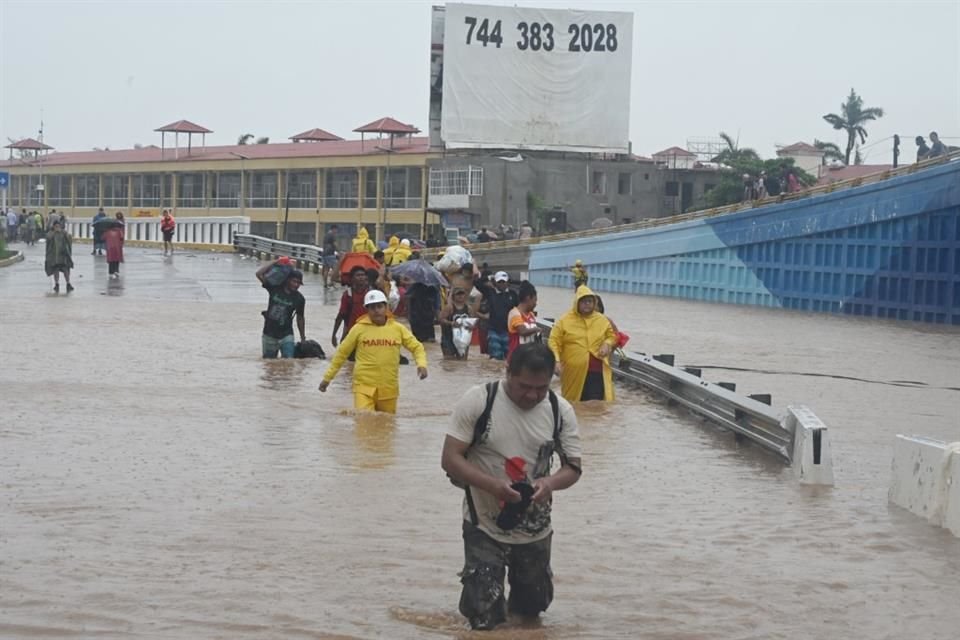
x=501, y=276
x=405, y=242
x=374, y=296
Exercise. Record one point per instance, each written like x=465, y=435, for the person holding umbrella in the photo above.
x=422, y=296
x=113, y=240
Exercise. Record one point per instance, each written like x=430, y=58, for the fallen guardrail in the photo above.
x=306, y=256
x=925, y=480
x=797, y=437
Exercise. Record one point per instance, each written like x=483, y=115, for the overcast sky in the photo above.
x=105, y=74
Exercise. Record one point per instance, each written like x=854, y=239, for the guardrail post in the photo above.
x=812, y=457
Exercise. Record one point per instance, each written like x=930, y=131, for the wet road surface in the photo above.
x=159, y=480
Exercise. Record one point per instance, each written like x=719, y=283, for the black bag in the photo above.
x=309, y=349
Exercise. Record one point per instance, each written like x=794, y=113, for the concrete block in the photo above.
x=925, y=480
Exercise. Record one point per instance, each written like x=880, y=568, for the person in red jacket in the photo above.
x=167, y=226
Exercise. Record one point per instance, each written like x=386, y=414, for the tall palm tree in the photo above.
x=263, y=140
x=733, y=153
x=245, y=138
x=852, y=120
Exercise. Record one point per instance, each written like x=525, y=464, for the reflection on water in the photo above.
x=161, y=480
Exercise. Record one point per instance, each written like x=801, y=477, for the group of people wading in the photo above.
x=503, y=434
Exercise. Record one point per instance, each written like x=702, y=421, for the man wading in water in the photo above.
x=500, y=447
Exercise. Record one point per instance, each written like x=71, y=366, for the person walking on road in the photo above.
x=376, y=339
x=499, y=448
x=582, y=341
x=351, y=303
x=98, y=244
x=499, y=302
x=330, y=255
x=59, y=256
x=113, y=240
x=285, y=302
x=167, y=227
x=522, y=322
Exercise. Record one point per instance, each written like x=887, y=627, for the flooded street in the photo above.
x=160, y=480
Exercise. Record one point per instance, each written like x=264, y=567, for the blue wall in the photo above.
x=889, y=249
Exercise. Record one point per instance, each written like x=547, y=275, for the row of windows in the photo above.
x=401, y=189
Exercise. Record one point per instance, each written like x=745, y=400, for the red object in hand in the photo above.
x=622, y=339
x=515, y=468
x=283, y=260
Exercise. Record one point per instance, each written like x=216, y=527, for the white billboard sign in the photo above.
x=519, y=77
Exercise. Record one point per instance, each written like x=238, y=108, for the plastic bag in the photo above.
x=394, y=298
x=453, y=258
x=277, y=274
x=463, y=334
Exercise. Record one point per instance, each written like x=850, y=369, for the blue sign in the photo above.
x=4, y=179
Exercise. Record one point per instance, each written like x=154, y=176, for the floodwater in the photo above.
x=159, y=480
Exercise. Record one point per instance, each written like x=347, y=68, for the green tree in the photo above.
x=245, y=138
x=830, y=150
x=852, y=118
x=729, y=189
x=263, y=140
x=733, y=153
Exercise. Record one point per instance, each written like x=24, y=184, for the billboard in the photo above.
x=526, y=78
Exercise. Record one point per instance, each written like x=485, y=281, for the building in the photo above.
x=315, y=180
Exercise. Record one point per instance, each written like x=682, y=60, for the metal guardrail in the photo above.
x=305, y=253
x=708, y=213
x=750, y=417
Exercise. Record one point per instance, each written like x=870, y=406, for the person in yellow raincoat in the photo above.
x=377, y=339
x=392, y=245
x=362, y=243
x=582, y=340
x=403, y=252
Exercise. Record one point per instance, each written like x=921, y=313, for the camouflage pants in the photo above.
x=485, y=565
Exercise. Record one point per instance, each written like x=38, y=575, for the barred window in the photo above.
x=456, y=182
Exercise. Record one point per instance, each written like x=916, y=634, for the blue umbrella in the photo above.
x=420, y=271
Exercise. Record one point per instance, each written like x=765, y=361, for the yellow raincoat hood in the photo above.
x=362, y=243
x=573, y=339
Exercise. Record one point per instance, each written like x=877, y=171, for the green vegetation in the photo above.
x=852, y=118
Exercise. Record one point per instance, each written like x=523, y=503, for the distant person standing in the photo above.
x=167, y=227
x=12, y=220
x=923, y=151
x=362, y=243
x=937, y=147
x=793, y=185
x=522, y=322
x=285, y=302
x=330, y=255
x=582, y=340
x=580, y=275
x=98, y=244
x=113, y=238
x=499, y=302
x=59, y=256
x=761, y=186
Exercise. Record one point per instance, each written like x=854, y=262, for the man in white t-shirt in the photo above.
x=502, y=451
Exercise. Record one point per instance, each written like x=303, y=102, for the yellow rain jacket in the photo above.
x=573, y=339
x=401, y=255
x=391, y=249
x=378, y=355
x=362, y=243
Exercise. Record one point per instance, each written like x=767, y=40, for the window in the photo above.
x=226, y=190
x=370, y=188
x=456, y=182
x=302, y=189
x=146, y=190
x=598, y=183
x=190, y=190
x=58, y=191
x=624, y=184
x=342, y=187
x=115, y=190
x=262, y=190
x=88, y=191
x=673, y=189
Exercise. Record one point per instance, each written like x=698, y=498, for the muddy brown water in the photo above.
x=159, y=480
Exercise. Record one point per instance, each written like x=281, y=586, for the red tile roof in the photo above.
x=836, y=174
x=674, y=151
x=334, y=148
x=317, y=135
x=802, y=147
x=386, y=125
x=29, y=144
x=184, y=126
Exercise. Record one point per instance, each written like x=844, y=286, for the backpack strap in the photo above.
x=557, y=428
x=479, y=428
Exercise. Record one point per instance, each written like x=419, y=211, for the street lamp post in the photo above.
x=243, y=185
x=386, y=195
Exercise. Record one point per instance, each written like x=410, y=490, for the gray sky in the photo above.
x=108, y=73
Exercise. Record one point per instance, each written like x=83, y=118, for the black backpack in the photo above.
x=309, y=349
x=480, y=428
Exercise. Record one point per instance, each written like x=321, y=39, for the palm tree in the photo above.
x=830, y=150
x=853, y=120
x=245, y=138
x=733, y=153
x=263, y=140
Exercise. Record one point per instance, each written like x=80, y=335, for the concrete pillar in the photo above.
x=318, y=232
x=173, y=187
x=130, y=195
x=423, y=198
x=381, y=226
x=359, y=198
x=100, y=190
x=73, y=194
